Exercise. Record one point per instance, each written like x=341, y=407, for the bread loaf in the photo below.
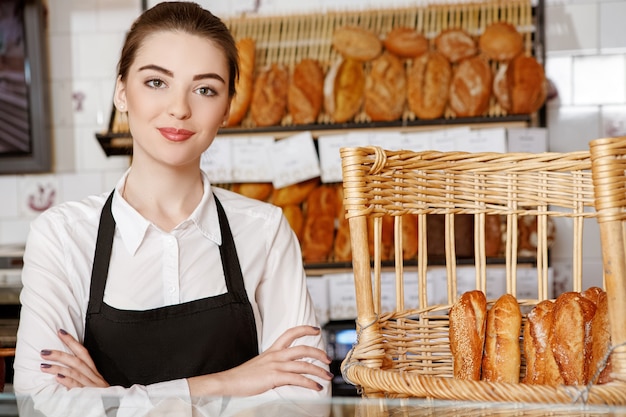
x=467, y=334
x=456, y=44
x=243, y=85
x=295, y=193
x=385, y=88
x=428, y=85
x=257, y=190
x=344, y=87
x=269, y=98
x=501, y=41
x=571, y=336
x=470, y=89
x=295, y=217
x=306, y=92
x=541, y=367
x=409, y=236
x=527, y=85
x=405, y=42
x=600, y=366
x=356, y=43
x=502, y=358
x=493, y=235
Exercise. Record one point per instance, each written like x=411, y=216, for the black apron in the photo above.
x=166, y=343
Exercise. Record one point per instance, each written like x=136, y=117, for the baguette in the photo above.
x=467, y=334
x=600, y=366
x=502, y=358
x=243, y=86
x=541, y=367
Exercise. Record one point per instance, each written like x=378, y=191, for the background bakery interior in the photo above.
x=582, y=44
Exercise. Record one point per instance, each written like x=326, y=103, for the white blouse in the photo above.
x=151, y=268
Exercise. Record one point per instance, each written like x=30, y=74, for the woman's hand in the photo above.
x=277, y=366
x=72, y=370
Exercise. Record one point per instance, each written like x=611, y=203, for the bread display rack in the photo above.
x=288, y=39
x=406, y=353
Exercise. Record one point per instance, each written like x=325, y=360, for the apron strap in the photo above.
x=230, y=260
x=102, y=255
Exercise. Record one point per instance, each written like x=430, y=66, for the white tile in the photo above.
x=62, y=113
x=36, y=194
x=117, y=15
x=571, y=27
x=83, y=17
x=60, y=62
x=613, y=121
x=14, y=231
x=87, y=103
x=612, y=28
x=75, y=187
x=8, y=191
x=571, y=128
x=63, y=147
x=599, y=79
x=89, y=154
x=559, y=71
x=95, y=55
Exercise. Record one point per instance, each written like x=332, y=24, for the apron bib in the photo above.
x=199, y=337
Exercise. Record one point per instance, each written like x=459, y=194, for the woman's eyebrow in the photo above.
x=209, y=75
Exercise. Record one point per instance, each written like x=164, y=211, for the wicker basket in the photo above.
x=406, y=353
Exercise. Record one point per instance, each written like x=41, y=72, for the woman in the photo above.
x=168, y=286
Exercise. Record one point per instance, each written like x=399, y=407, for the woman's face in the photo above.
x=176, y=96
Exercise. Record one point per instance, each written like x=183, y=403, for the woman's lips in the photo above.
x=175, y=135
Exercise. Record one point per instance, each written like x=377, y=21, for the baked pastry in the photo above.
x=467, y=334
x=405, y=42
x=599, y=371
x=456, y=44
x=243, y=85
x=493, y=235
x=306, y=92
x=410, y=243
x=295, y=193
x=501, y=41
x=344, y=87
x=295, y=217
x=527, y=83
x=502, y=358
x=570, y=338
x=269, y=98
x=541, y=367
x=470, y=88
x=385, y=88
x=257, y=190
x=428, y=85
x=501, y=87
x=356, y=43
x=322, y=201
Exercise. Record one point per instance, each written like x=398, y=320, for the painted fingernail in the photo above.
x=315, y=328
x=62, y=331
x=319, y=387
x=330, y=374
x=46, y=365
x=61, y=376
x=46, y=352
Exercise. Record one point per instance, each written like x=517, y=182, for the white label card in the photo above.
x=330, y=155
x=532, y=139
x=294, y=160
x=216, y=161
x=483, y=140
x=251, y=158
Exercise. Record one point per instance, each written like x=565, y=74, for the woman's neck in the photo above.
x=164, y=198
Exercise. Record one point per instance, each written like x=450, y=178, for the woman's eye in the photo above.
x=206, y=91
x=156, y=83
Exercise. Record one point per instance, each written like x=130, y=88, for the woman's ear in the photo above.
x=119, y=97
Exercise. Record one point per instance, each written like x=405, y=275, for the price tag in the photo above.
x=446, y=140
x=416, y=141
x=330, y=157
x=216, y=161
x=294, y=160
x=532, y=139
x=389, y=140
x=483, y=140
x=251, y=159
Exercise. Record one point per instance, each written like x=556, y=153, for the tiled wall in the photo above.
x=586, y=61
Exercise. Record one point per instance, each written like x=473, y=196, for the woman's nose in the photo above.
x=179, y=106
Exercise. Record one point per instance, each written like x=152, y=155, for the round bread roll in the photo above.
x=344, y=87
x=385, y=88
x=456, y=45
x=269, y=98
x=405, y=42
x=243, y=85
x=527, y=85
x=428, y=85
x=357, y=43
x=501, y=41
x=257, y=190
x=470, y=88
x=306, y=92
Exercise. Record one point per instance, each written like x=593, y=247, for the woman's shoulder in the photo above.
x=74, y=211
